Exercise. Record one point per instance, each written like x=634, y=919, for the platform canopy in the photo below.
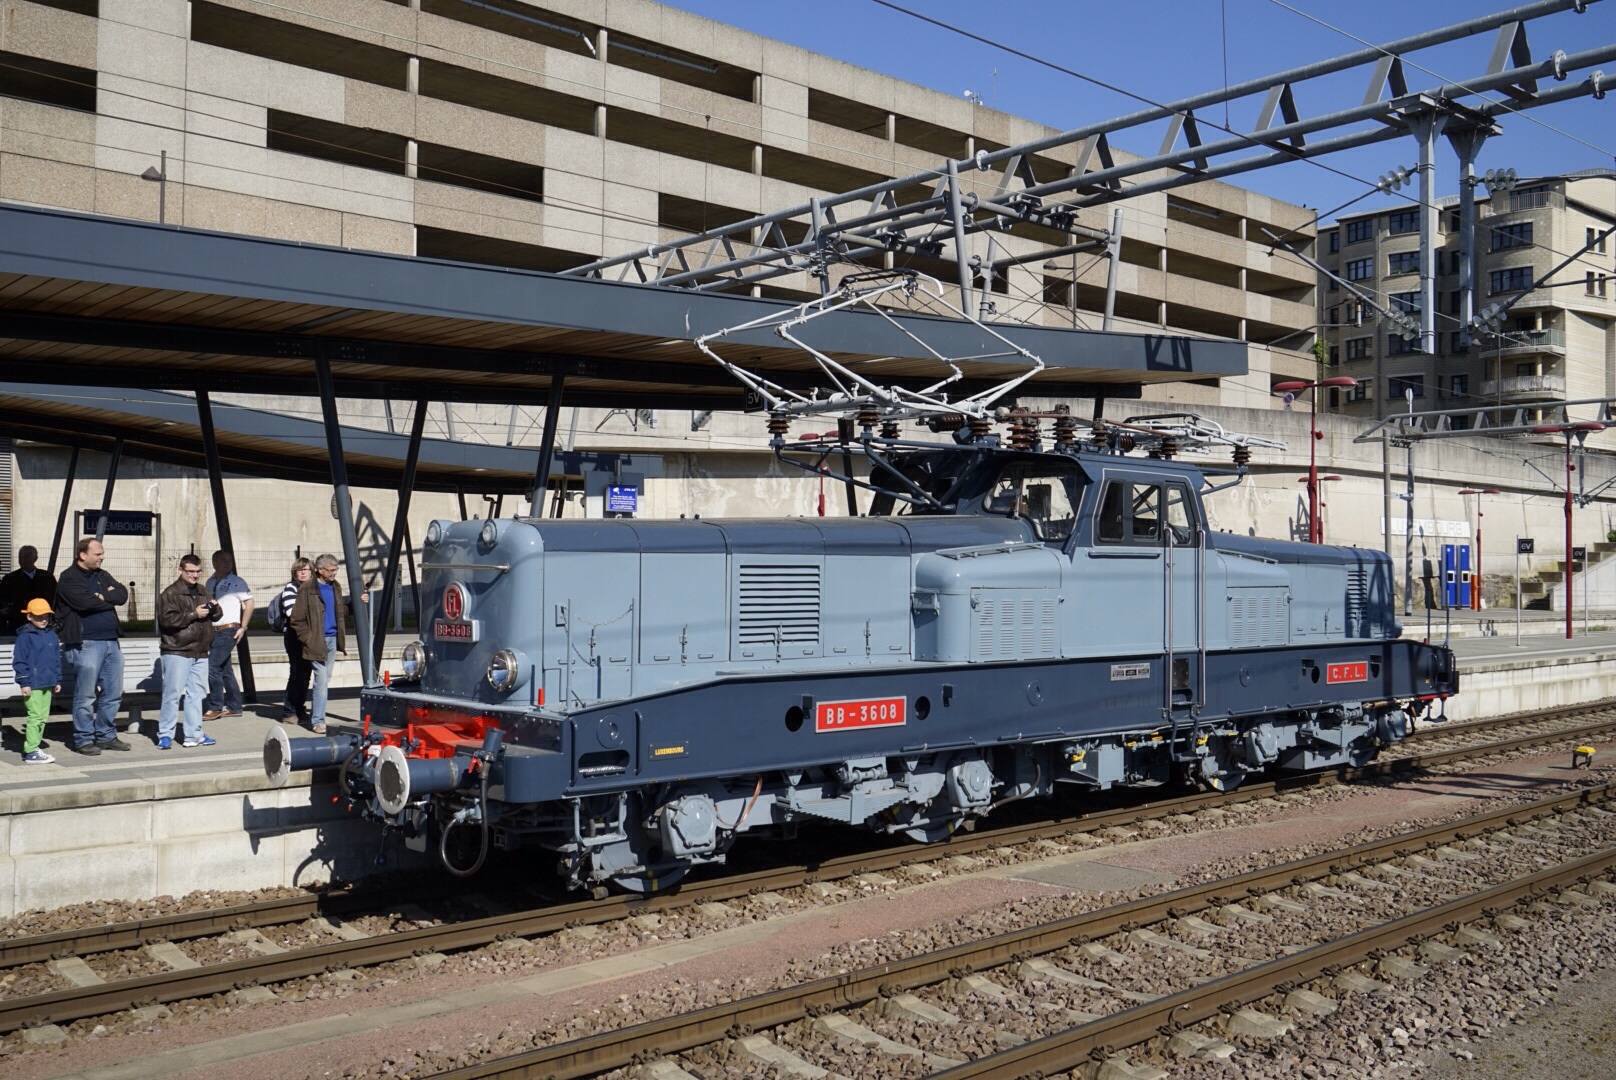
x=165, y=427
x=124, y=304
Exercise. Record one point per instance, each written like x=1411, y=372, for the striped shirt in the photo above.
x=287, y=598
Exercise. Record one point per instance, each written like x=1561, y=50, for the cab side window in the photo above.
x=1130, y=513
x=1038, y=493
x=1180, y=515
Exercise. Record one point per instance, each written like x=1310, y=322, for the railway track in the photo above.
x=1051, y=998
x=274, y=965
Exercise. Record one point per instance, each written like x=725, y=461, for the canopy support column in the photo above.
x=350, y=541
x=401, y=520
x=221, y=515
x=61, y=512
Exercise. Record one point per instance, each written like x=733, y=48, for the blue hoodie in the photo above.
x=37, y=658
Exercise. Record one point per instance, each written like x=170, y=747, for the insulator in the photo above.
x=1168, y=448
x=779, y=425
x=1125, y=442
x=980, y=427
x=1242, y=455
x=1099, y=438
x=889, y=429
x=867, y=418
x=1023, y=432
x=1065, y=432
x=945, y=422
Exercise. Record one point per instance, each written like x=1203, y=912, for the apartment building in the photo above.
x=1558, y=339
x=547, y=135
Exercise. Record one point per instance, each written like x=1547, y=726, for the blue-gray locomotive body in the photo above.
x=633, y=695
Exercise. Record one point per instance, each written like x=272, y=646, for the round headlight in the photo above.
x=413, y=661
x=504, y=671
x=434, y=533
x=489, y=534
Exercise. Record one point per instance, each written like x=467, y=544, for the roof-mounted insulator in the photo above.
x=942, y=422
x=980, y=427
x=1023, y=432
x=867, y=418
x=1065, y=432
x=1242, y=455
x=779, y=425
x=889, y=429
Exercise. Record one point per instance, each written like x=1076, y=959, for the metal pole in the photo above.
x=1467, y=144
x=552, y=414
x=1570, y=567
x=1113, y=255
x=61, y=512
x=350, y=541
x=844, y=432
x=395, y=548
x=162, y=188
x=1315, y=535
x=1517, y=592
x=221, y=515
x=1386, y=492
x=1408, y=535
x=106, y=494
x=956, y=211
x=1426, y=129
x=1475, y=590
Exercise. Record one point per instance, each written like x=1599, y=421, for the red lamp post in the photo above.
x=1475, y=590
x=1315, y=534
x=1322, y=504
x=1578, y=431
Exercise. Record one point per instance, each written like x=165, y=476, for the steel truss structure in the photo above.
x=870, y=223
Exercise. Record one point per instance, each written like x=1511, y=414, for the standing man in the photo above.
x=23, y=584
x=185, y=617
x=317, y=618
x=87, y=599
x=235, y=600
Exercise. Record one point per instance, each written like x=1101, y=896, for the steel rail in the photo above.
x=1070, y=1049
x=674, y=1034
x=77, y=1003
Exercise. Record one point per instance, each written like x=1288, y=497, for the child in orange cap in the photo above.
x=36, y=661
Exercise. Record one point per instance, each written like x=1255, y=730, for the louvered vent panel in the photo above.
x=7, y=496
x=1258, y=618
x=778, y=600
x=1014, y=627
x=1357, y=602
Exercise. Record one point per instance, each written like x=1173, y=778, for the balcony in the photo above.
x=1523, y=343
x=1524, y=389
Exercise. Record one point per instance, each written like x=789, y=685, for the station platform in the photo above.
x=149, y=822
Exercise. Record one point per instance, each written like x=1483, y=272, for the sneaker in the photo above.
x=114, y=743
x=89, y=749
x=213, y=714
x=38, y=757
x=318, y=729
x=206, y=740
x=164, y=742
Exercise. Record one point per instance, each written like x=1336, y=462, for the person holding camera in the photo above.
x=185, y=617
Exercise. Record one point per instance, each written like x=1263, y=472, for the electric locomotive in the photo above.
x=631, y=696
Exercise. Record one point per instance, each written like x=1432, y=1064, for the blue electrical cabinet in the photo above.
x=1456, y=575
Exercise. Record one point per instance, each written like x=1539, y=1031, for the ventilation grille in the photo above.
x=778, y=603
x=7, y=497
x=1015, y=627
x=1258, y=617
x=1357, y=602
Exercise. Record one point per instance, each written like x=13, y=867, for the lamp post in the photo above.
x=1578, y=431
x=1315, y=534
x=1475, y=592
x=1322, y=504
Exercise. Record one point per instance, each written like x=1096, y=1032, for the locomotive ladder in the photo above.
x=1173, y=711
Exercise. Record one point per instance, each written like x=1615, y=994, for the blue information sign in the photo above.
x=622, y=499
x=120, y=522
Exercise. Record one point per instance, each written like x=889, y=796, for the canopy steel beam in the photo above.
x=726, y=257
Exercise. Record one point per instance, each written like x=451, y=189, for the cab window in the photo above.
x=1040, y=493
x=1131, y=513
x=1180, y=515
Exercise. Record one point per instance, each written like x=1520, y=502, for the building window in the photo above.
x=1398, y=385
x=1360, y=270
x=1457, y=344
x=1453, y=302
x=1596, y=240
x=1602, y=279
x=1525, y=370
x=1403, y=262
x=1359, y=392
x=1451, y=220
x=1529, y=198
x=1459, y=386
x=1358, y=348
x=1360, y=230
x=1335, y=316
x=1508, y=236
x=1406, y=302
x=1398, y=345
x=1335, y=286
x=1590, y=283
x=1335, y=241
x=1515, y=279
x=1403, y=221
x=1335, y=356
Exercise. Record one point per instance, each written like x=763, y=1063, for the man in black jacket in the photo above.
x=27, y=582
x=87, y=599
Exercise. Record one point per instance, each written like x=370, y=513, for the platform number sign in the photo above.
x=1525, y=546
x=1579, y=554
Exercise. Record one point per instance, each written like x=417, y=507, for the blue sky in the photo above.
x=1170, y=49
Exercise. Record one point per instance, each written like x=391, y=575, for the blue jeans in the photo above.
x=322, y=679
x=224, y=693
x=95, y=663
x=183, y=676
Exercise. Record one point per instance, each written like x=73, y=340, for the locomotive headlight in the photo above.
x=434, y=533
x=504, y=671
x=489, y=534
x=413, y=661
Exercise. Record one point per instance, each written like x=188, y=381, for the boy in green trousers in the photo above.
x=36, y=661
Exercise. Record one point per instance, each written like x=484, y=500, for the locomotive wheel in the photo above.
x=934, y=831
x=636, y=865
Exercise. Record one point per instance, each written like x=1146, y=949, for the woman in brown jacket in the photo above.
x=316, y=619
